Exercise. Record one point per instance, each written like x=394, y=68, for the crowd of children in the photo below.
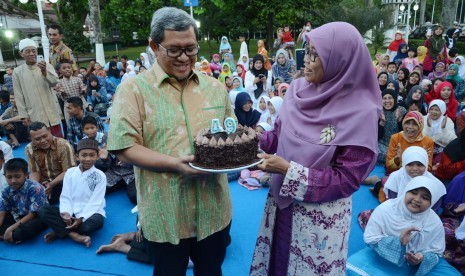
x=420, y=135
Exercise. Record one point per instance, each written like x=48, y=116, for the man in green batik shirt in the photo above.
x=156, y=115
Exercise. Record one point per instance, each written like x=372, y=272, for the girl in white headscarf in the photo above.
x=144, y=58
x=438, y=126
x=460, y=61
x=263, y=108
x=407, y=234
x=414, y=163
x=274, y=105
x=244, y=60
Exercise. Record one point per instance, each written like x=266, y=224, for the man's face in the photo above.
x=83, y=71
x=29, y=54
x=72, y=110
x=179, y=67
x=54, y=36
x=12, y=100
x=42, y=138
x=9, y=70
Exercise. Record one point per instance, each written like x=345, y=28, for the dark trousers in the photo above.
x=50, y=215
x=26, y=231
x=19, y=130
x=207, y=255
x=55, y=196
x=139, y=252
x=63, y=122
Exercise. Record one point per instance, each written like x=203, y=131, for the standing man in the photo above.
x=156, y=115
x=58, y=50
x=32, y=84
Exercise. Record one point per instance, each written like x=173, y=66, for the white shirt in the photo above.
x=7, y=151
x=83, y=192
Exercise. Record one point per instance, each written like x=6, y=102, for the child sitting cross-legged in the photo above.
x=20, y=201
x=405, y=236
x=90, y=130
x=82, y=199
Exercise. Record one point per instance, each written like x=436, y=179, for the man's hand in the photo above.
x=183, y=168
x=48, y=188
x=76, y=222
x=8, y=236
x=43, y=68
x=66, y=217
x=273, y=163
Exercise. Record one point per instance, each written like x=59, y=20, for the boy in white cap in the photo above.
x=33, y=83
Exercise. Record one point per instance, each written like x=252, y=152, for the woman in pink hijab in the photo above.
x=322, y=147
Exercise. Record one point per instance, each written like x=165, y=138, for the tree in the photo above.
x=94, y=14
x=448, y=13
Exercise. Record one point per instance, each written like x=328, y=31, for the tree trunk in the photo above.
x=449, y=8
x=269, y=34
x=422, y=12
x=94, y=15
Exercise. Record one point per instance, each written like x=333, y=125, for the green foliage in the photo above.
x=363, y=18
x=378, y=39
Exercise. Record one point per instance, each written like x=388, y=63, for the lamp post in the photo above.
x=45, y=41
x=2, y=62
x=415, y=8
x=9, y=35
x=402, y=9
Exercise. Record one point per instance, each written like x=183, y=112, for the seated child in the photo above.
x=82, y=199
x=90, y=130
x=19, y=204
x=274, y=105
x=392, y=71
x=277, y=82
x=405, y=236
x=263, y=108
x=262, y=127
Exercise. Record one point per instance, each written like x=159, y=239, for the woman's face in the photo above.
x=314, y=71
x=398, y=36
x=239, y=69
x=258, y=65
x=226, y=57
x=382, y=79
x=225, y=68
x=224, y=41
x=281, y=59
x=458, y=62
x=414, y=79
x=228, y=82
x=260, y=43
x=411, y=129
x=415, y=169
x=277, y=82
x=97, y=66
x=262, y=104
x=400, y=75
x=216, y=59
x=93, y=83
x=204, y=65
x=250, y=64
x=404, y=50
x=271, y=108
x=445, y=92
x=417, y=200
x=142, y=69
x=436, y=84
x=416, y=95
x=385, y=59
x=391, y=86
x=246, y=107
x=388, y=102
x=244, y=59
x=141, y=57
x=236, y=83
x=434, y=112
x=452, y=71
x=438, y=31
x=440, y=68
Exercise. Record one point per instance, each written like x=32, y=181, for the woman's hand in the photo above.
x=406, y=235
x=428, y=120
x=382, y=119
x=273, y=164
x=256, y=80
x=444, y=121
x=398, y=154
x=414, y=259
x=398, y=115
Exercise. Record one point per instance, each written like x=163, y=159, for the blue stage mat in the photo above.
x=65, y=257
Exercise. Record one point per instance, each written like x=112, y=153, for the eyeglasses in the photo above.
x=313, y=55
x=175, y=53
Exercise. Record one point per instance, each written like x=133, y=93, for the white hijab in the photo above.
x=462, y=67
x=398, y=180
x=435, y=124
x=245, y=64
x=276, y=102
x=146, y=61
x=392, y=217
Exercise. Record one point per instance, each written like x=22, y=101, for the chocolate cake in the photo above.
x=222, y=151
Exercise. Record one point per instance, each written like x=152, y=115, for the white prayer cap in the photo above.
x=265, y=126
x=27, y=42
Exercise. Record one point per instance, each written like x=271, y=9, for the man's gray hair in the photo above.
x=170, y=19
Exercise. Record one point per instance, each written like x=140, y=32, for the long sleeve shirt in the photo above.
x=83, y=192
x=35, y=98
